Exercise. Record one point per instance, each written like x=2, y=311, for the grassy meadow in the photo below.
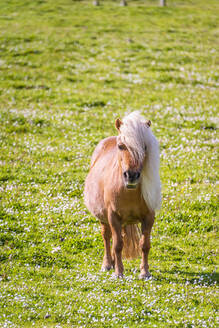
x=68, y=69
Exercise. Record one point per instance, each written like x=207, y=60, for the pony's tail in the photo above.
x=131, y=237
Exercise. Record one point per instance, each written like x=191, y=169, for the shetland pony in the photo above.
x=123, y=189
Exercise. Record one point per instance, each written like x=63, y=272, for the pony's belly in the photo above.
x=130, y=221
x=93, y=198
x=130, y=218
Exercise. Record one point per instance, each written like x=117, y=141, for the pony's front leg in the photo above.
x=145, y=245
x=107, y=259
x=116, y=228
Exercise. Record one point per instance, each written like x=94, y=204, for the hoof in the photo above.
x=106, y=268
x=118, y=276
x=145, y=276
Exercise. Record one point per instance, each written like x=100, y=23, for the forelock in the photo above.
x=133, y=133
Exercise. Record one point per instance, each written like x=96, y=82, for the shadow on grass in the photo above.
x=178, y=276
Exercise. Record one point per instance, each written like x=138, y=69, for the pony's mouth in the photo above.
x=131, y=185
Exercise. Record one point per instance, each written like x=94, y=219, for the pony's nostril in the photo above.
x=125, y=174
x=137, y=175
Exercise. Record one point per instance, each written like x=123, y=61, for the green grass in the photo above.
x=67, y=71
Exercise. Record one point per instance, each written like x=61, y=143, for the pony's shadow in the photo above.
x=178, y=276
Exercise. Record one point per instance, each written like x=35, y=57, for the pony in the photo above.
x=123, y=190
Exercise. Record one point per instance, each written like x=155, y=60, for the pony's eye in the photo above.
x=121, y=146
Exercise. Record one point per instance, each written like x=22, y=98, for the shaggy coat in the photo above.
x=123, y=189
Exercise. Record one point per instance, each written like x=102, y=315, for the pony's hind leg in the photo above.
x=116, y=229
x=107, y=259
x=145, y=245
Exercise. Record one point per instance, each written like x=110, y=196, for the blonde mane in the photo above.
x=139, y=139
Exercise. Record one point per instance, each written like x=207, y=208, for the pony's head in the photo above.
x=132, y=147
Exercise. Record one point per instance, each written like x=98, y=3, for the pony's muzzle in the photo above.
x=131, y=178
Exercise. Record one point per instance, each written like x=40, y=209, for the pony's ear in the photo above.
x=148, y=123
x=118, y=123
